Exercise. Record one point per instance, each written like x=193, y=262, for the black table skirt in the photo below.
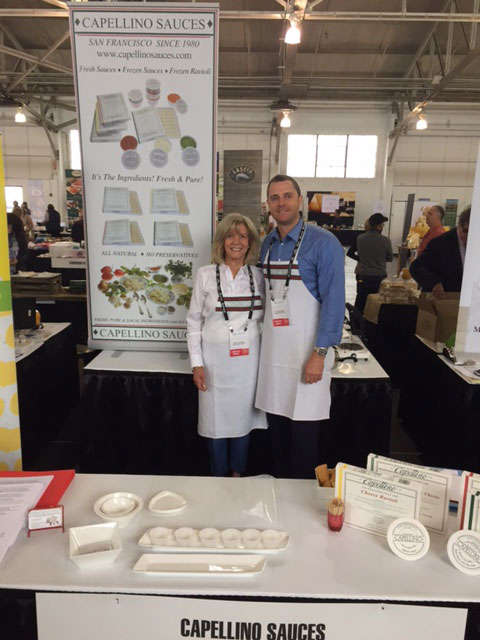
x=441, y=411
x=389, y=339
x=147, y=423
x=48, y=388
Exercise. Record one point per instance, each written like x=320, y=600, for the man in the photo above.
x=373, y=251
x=440, y=267
x=52, y=221
x=434, y=216
x=305, y=307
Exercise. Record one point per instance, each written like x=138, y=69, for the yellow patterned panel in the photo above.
x=14, y=404
x=10, y=439
x=7, y=373
x=9, y=337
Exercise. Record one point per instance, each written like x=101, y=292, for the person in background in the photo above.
x=434, y=216
x=223, y=337
x=373, y=251
x=78, y=230
x=26, y=219
x=304, y=266
x=12, y=250
x=18, y=233
x=440, y=267
x=52, y=221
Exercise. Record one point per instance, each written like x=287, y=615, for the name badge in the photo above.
x=238, y=343
x=280, y=316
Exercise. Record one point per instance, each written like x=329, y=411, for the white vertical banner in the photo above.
x=146, y=88
x=468, y=325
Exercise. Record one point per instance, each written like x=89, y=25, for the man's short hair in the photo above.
x=440, y=210
x=282, y=178
x=464, y=218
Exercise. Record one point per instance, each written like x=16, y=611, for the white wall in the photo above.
x=438, y=163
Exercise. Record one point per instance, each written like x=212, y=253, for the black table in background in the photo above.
x=48, y=388
x=147, y=423
x=389, y=339
x=441, y=411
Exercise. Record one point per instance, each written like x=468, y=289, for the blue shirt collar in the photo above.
x=292, y=234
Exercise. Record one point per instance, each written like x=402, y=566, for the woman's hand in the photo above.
x=199, y=378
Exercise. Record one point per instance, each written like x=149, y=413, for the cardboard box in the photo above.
x=437, y=319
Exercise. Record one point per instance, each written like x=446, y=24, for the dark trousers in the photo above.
x=298, y=446
x=365, y=286
x=228, y=454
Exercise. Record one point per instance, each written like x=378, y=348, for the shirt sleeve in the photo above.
x=389, y=250
x=331, y=288
x=195, y=318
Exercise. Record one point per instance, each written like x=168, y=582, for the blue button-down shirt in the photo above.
x=321, y=266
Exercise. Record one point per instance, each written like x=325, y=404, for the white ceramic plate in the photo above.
x=200, y=564
x=164, y=540
x=118, y=507
x=167, y=502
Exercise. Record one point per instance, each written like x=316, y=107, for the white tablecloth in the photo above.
x=26, y=342
x=318, y=563
x=174, y=362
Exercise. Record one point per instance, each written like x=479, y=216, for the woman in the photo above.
x=26, y=217
x=223, y=336
x=20, y=246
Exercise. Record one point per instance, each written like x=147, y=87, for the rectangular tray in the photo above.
x=200, y=564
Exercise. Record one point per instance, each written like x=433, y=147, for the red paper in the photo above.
x=55, y=490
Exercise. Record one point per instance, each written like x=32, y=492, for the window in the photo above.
x=11, y=194
x=342, y=156
x=75, y=155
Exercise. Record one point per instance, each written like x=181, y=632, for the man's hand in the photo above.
x=438, y=291
x=314, y=368
x=199, y=378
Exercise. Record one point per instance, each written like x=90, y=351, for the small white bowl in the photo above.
x=210, y=538
x=232, y=538
x=252, y=538
x=95, y=545
x=118, y=507
x=272, y=539
x=185, y=537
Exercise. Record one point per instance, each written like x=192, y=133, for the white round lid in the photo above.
x=408, y=539
x=463, y=549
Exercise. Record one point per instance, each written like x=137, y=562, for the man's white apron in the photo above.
x=286, y=350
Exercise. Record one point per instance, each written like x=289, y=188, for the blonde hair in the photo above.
x=224, y=228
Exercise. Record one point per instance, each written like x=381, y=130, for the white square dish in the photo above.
x=95, y=545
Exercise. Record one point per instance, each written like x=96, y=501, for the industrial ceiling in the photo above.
x=398, y=51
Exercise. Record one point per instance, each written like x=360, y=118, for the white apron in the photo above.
x=227, y=408
x=286, y=350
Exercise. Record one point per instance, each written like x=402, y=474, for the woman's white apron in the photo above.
x=227, y=408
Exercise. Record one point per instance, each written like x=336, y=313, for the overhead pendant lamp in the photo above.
x=293, y=35
x=421, y=122
x=285, y=122
x=20, y=116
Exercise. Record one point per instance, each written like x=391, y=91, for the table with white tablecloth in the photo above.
x=317, y=565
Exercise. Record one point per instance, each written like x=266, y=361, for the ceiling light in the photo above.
x=293, y=35
x=20, y=116
x=421, y=122
x=285, y=122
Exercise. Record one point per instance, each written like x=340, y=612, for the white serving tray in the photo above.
x=200, y=564
x=171, y=545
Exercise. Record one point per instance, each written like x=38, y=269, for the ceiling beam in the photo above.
x=405, y=123
x=324, y=16
x=42, y=58
x=23, y=55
